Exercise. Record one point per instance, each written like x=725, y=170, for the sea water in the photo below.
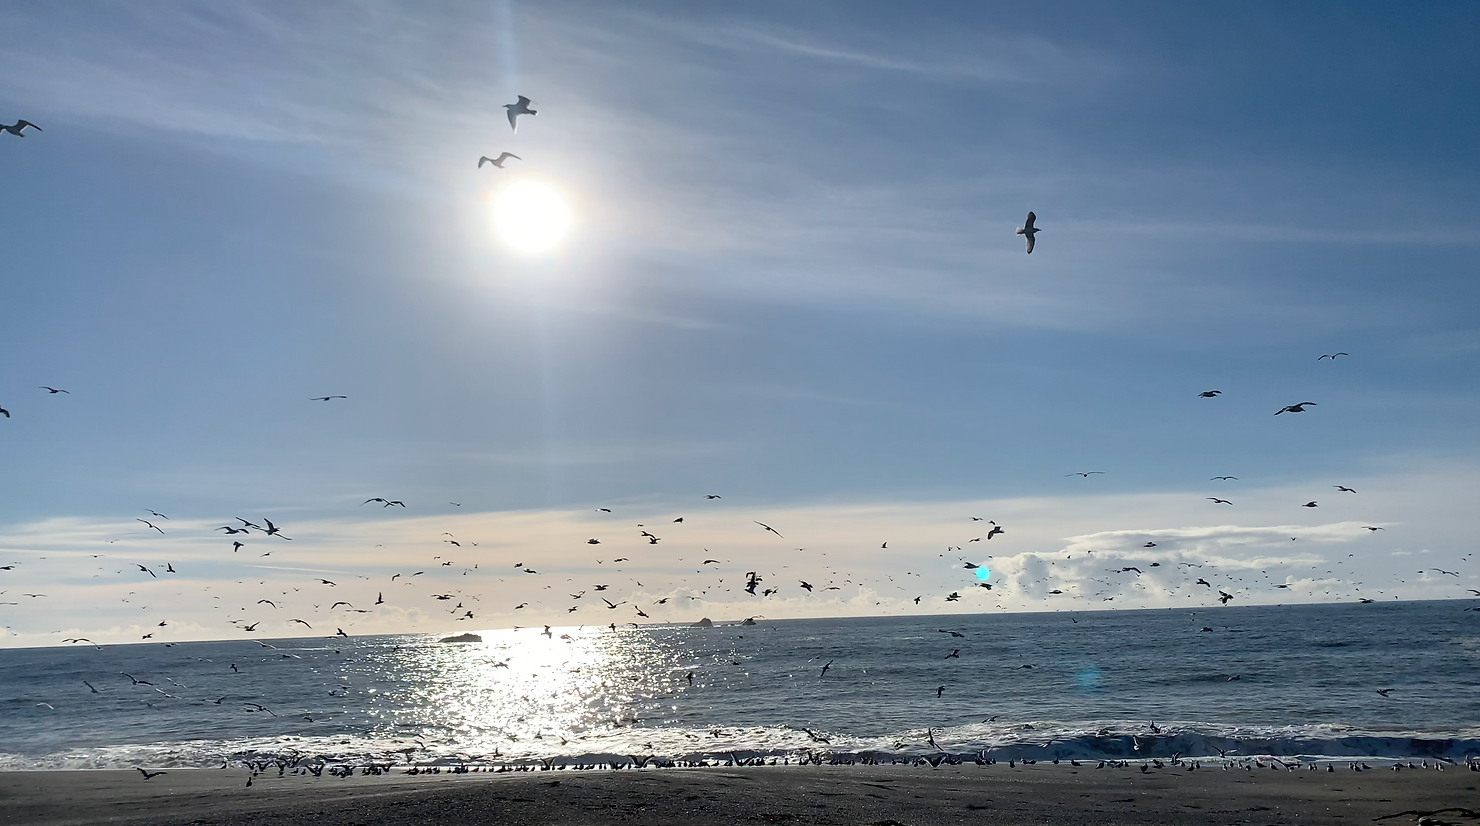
x=1288, y=681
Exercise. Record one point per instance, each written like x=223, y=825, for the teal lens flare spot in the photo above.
x=982, y=574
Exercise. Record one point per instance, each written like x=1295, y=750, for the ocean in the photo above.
x=1292, y=681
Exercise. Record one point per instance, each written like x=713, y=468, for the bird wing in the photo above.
x=483, y=160
x=524, y=102
x=508, y=155
x=1030, y=244
x=514, y=118
x=1028, y=224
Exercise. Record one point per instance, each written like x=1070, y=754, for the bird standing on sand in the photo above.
x=1029, y=230
x=18, y=129
x=517, y=109
x=499, y=161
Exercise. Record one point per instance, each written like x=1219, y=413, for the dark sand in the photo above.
x=849, y=795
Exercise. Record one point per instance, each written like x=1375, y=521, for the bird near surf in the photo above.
x=1029, y=231
x=519, y=108
x=499, y=161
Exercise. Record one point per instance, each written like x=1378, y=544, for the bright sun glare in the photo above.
x=530, y=216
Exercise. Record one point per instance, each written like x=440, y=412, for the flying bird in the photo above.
x=4, y=412
x=517, y=109
x=1293, y=408
x=53, y=390
x=147, y=571
x=1222, y=478
x=712, y=496
x=499, y=161
x=18, y=129
x=150, y=524
x=996, y=529
x=1224, y=597
x=147, y=775
x=326, y=398
x=1310, y=504
x=1216, y=500
x=1373, y=528
x=1343, y=488
x=1027, y=229
x=769, y=528
x=1209, y=394
x=1085, y=474
x=1332, y=356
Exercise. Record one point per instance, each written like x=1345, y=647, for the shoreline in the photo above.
x=884, y=795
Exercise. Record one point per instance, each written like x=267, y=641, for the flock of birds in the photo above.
x=753, y=583
x=458, y=589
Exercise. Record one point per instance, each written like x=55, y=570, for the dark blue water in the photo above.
x=1299, y=680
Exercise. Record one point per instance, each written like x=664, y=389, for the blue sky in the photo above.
x=792, y=278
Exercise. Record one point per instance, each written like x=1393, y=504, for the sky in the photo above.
x=791, y=281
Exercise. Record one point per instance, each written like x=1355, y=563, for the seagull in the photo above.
x=147, y=571
x=1293, y=408
x=769, y=528
x=1201, y=581
x=1029, y=230
x=1210, y=394
x=996, y=529
x=1310, y=504
x=1085, y=474
x=1217, y=500
x=1222, y=478
x=1332, y=356
x=53, y=390
x=499, y=162
x=150, y=524
x=147, y=775
x=326, y=398
x=1224, y=597
x=515, y=110
x=1385, y=691
x=825, y=668
x=712, y=496
x=17, y=129
x=1373, y=528
x=1343, y=488
x=4, y=412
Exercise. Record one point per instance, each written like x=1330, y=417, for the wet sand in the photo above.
x=849, y=796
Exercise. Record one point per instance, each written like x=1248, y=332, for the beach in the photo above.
x=844, y=795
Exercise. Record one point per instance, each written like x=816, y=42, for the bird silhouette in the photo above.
x=1210, y=394
x=517, y=109
x=1293, y=408
x=18, y=129
x=499, y=161
x=1028, y=230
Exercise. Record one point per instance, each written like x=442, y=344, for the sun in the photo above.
x=530, y=216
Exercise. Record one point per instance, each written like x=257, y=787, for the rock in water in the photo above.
x=704, y=623
x=462, y=638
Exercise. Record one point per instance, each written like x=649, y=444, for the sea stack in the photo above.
x=703, y=623
x=462, y=638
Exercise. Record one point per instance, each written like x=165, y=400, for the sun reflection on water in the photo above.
x=518, y=690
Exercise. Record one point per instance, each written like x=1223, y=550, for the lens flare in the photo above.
x=982, y=573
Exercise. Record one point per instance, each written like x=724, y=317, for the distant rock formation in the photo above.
x=749, y=621
x=703, y=623
x=462, y=638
